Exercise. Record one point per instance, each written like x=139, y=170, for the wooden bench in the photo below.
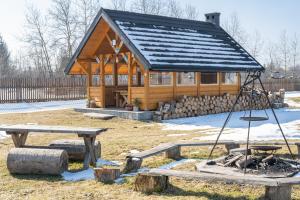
x=19, y=135
x=157, y=180
x=173, y=150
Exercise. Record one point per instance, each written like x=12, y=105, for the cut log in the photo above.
x=241, y=163
x=106, y=175
x=174, y=153
x=37, y=161
x=232, y=160
x=132, y=164
x=150, y=183
x=278, y=193
x=75, y=148
x=267, y=159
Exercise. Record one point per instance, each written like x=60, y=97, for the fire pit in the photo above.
x=259, y=164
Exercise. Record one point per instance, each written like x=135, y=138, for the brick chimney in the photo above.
x=213, y=18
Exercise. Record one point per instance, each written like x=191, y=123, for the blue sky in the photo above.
x=269, y=17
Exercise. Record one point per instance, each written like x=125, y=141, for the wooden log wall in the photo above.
x=14, y=90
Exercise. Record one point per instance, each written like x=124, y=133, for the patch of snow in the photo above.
x=144, y=169
x=79, y=176
x=2, y=135
x=237, y=129
x=101, y=162
x=134, y=151
x=40, y=106
x=177, y=163
x=289, y=101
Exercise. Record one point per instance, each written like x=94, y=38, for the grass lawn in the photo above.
x=296, y=99
x=122, y=136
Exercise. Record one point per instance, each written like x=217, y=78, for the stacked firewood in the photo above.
x=189, y=106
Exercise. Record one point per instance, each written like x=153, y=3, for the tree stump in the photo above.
x=230, y=146
x=107, y=175
x=278, y=193
x=75, y=148
x=298, y=148
x=37, y=161
x=174, y=153
x=132, y=164
x=150, y=183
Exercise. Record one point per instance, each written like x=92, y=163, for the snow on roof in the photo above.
x=171, y=44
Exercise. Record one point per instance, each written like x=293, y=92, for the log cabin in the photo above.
x=129, y=56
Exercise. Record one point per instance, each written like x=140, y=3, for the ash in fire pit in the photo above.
x=260, y=164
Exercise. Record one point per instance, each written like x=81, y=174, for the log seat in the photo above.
x=157, y=180
x=37, y=161
x=76, y=149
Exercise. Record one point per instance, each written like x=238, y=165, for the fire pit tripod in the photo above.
x=251, y=78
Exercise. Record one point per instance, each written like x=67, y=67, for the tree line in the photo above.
x=51, y=38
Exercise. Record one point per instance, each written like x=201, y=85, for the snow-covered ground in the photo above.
x=38, y=107
x=237, y=129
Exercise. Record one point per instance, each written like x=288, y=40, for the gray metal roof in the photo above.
x=171, y=44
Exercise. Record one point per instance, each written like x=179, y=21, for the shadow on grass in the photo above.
x=178, y=192
x=49, y=178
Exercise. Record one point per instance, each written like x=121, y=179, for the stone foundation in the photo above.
x=188, y=106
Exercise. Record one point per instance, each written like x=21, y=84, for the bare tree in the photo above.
x=154, y=7
x=295, y=51
x=5, y=65
x=174, y=9
x=36, y=29
x=64, y=25
x=119, y=4
x=233, y=26
x=191, y=12
x=256, y=45
x=273, y=58
x=284, y=50
x=86, y=11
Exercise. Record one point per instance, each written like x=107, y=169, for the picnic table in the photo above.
x=19, y=134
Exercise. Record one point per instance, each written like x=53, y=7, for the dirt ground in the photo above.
x=121, y=137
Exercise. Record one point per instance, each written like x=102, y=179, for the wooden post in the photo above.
x=102, y=75
x=149, y=183
x=198, y=82
x=239, y=80
x=278, y=193
x=173, y=153
x=219, y=81
x=89, y=78
x=115, y=71
x=174, y=85
x=298, y=148
x=130, y=74
x=146, y=87
x=132, y=164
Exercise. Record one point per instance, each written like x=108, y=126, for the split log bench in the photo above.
x=75, y=148
x=19, y=135
x=157, y=180
x=37, y=161
x=173, y=150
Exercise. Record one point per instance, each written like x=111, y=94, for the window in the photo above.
x=229, y=78
x=122, y=79
x=160, y=78
x=209, y=78
x=186, y=78
x=95, y=80
x=109, y=81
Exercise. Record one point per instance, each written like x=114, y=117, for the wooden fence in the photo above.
x=287, y=84
x=14, y=90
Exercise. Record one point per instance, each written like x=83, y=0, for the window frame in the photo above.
x=171, y=80
x=218, y=77
x=236, y=75
x=180, y=85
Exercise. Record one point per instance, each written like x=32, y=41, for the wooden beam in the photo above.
x=115, y=71
x=146, y=88
x=102, y=79
x=174, y=85
x=86, y=60
x=81, y=65
x=198, y=82
x=130, y=74
x=89, y=79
